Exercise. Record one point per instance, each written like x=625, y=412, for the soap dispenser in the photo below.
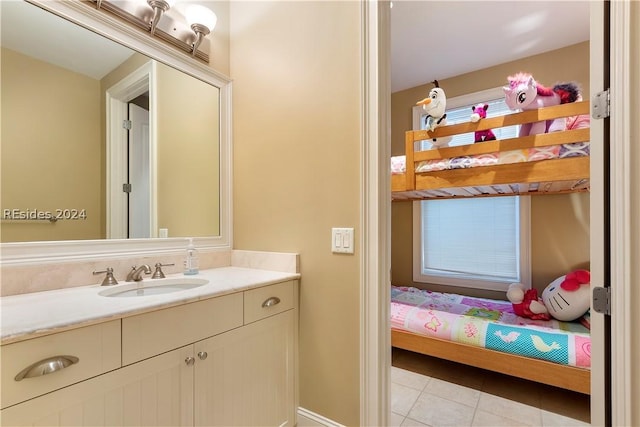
x=191, y=260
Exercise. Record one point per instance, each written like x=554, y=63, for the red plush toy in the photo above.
x=480, y=112
x=526, y=302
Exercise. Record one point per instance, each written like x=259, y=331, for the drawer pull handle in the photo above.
x=270, y=302
x=46, y=366
x=202, y=355
x=189, y=360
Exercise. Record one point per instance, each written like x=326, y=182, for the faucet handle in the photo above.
x=109, y=279
x=159, y=274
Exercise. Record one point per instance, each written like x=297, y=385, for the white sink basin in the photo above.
x=153, y=287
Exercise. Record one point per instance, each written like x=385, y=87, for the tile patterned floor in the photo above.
x=426, y=391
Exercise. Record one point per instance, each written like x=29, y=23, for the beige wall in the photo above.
x=188, y=155
x=50, y=148
x=296, y=71
x=559, y=223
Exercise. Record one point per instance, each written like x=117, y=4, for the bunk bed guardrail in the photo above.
x=543, y=176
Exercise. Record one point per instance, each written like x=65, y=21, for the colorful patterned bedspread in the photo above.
x=490, y=324
x=576, y=149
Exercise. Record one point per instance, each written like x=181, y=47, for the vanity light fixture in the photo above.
x=159, y=7
x=202, y=21
x=186, y=32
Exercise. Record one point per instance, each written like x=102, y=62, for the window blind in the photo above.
x=471, y=237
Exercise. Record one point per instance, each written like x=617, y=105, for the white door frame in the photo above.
x=622, y=238
x=375, y=241
x=597, y=212
x=140, y=81
x=375, y=218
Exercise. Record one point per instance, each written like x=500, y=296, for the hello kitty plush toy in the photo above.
x=568, y=297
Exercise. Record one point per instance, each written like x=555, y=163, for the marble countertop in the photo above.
x=41, y=313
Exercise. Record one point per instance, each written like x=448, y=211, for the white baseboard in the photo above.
x=307, y=418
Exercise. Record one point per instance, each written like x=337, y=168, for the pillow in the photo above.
x=585, y=320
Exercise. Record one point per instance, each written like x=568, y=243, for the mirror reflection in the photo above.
x=99, y=141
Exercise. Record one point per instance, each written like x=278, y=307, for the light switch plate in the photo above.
x=342, y=240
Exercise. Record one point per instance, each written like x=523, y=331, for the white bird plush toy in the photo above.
x=435, y=105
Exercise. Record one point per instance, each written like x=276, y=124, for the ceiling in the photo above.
x=429, y=39
x=64, y=44
x=440, y=39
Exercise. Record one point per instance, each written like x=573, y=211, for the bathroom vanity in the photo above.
x=223, y=353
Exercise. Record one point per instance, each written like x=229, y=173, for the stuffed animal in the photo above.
x=480, y=112
x=566, y=298
x=569, y=296
x=435, y=105
x=524, y=93
x=526, y=302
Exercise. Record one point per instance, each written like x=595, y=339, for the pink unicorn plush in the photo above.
x=524, y=93
x=480, y=112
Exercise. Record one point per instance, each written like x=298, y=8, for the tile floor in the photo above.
x=427, y=391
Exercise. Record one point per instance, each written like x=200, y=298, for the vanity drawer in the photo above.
x=268, y=300
x=149, y=334
x=96, y=348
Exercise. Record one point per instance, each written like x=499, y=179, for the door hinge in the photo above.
x=602, y=300
x=126, y=124
x=126, y=188
x=600, y=105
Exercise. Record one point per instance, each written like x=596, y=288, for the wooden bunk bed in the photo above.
x=552, y=176
x=542, y=371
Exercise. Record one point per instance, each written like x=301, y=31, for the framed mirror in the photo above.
x=112, y=142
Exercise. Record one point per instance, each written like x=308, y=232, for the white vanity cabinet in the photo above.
x=247, y=378
x=40, y=365
x=230, y=360
x=157, y=391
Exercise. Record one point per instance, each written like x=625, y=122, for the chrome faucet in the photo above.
x=135, y=274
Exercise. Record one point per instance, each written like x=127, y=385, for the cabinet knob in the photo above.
x=269, y=302
x=202, y=355
x=189, y=360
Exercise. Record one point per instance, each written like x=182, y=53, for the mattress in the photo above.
x=490, y=324
x=576, y=149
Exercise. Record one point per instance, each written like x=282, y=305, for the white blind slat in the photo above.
x=471, y=236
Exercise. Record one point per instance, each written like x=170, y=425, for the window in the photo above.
x=476, y=242
x=459, y=111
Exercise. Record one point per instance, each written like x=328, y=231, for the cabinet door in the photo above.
x=248, y=375
x=157, y=391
